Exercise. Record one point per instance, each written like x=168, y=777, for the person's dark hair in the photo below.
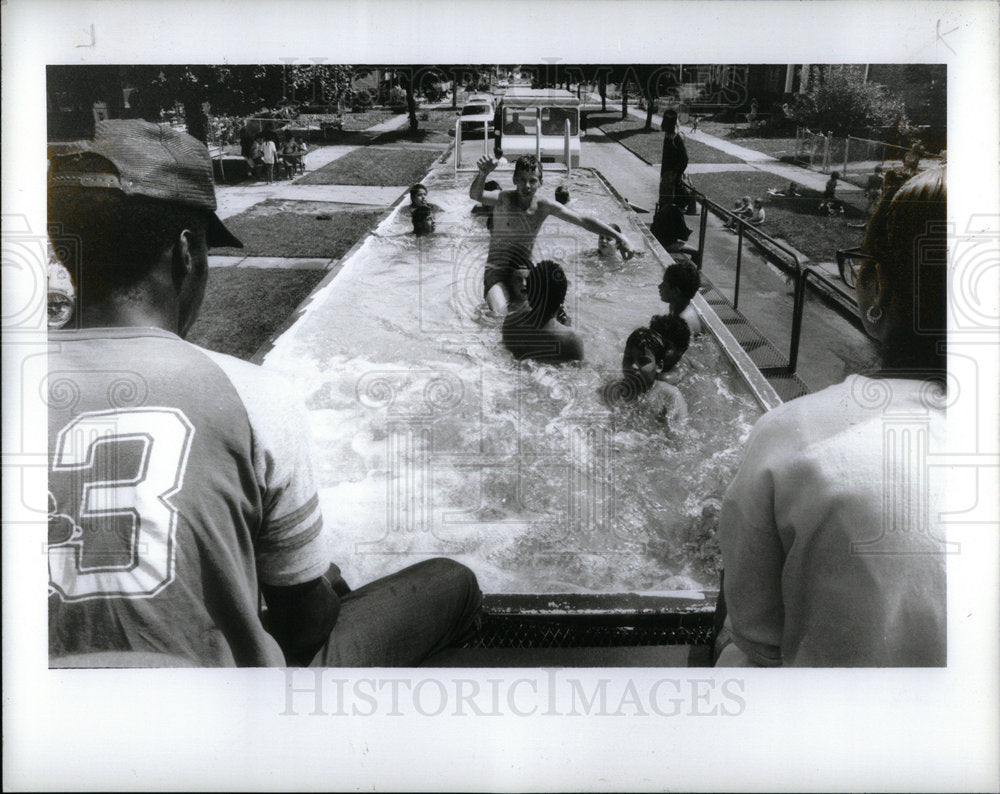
x=492, y=185
x=546, y=289
x=686, y=278
x=562, y=195
x=423, y=220
x=417, y=188
x=669, y=119
x=670, y=327
x=907, y=235
x=116, y=239
x=527, y=162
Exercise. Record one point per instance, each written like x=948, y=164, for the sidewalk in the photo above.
x=235, y=199
x=755, y=160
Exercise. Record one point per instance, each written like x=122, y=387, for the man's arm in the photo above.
x=588, y=222
x=486, y=165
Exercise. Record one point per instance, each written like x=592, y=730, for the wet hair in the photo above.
x=907, y=235
x=423, y=221
x=662, y=328
x=562, y=195
x=114, y=240
x=670, y=327
x=417, y=188
x=685, y=277
x=527, y=162
x=546, y=290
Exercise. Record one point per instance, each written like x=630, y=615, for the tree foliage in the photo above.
x=840, y=100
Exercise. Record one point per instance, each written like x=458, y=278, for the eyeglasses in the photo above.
x=849, y=261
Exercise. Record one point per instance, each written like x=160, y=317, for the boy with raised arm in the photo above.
x=517, y=216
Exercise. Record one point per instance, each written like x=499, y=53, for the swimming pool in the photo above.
x=429, y=439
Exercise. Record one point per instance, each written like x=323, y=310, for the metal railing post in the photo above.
x=798, y=309
x=702, y=231
x=566, y=147
x=486, y=138
x=739, y=262
x=538, y=134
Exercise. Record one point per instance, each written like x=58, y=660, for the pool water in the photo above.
x=429, y=439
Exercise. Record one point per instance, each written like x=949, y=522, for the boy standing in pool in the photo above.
x=681, y=282
x=517, y=216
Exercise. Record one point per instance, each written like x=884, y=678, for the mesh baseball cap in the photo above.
x=140, y=158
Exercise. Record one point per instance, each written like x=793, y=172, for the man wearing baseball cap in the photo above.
x=180, y=486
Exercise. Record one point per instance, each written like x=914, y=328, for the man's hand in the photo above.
x=486, y=165
x=625, y=248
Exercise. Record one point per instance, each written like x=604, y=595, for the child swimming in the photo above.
x=518, y=215
x=650, y=353
x=681, y=282
x=532, y=328
x=607, y=247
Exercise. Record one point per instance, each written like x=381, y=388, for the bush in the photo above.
x=362, y=99
x=397, y=97
x=840, y=100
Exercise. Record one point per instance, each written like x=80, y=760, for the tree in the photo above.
x=840, y=100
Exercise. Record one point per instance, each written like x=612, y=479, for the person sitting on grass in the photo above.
x=423, y=220
x=531, y=329
x=681, y=282
x=518, y=215
x=752, y=213
x=873, y=189
x=649, y=354
x=830, y=204
x=790, y=192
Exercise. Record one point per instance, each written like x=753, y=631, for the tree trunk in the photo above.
x=411, y=104
x=195, y=118
x=650, y=109
x=602, y=89
x=624, y=102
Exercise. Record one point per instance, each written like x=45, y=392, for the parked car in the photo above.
x=477, y=112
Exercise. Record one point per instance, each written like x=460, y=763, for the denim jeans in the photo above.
x=401, y=619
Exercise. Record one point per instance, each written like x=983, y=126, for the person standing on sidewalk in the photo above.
x=269, y=154
x=674, y=160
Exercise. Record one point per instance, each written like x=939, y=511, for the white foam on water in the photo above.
x=430, y=440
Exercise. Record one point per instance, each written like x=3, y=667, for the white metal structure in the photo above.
x=544, y=122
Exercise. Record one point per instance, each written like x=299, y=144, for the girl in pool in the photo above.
x=650, y=353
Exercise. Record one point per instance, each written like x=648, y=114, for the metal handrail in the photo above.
x=842, y=301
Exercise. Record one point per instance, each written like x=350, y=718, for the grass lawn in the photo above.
x=281, y=228
x=648, y=144
x=373, y=166
x=782, y=148
x=795, y=220
x=245, y=306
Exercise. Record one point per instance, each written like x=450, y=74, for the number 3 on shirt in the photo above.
x=112, y=536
